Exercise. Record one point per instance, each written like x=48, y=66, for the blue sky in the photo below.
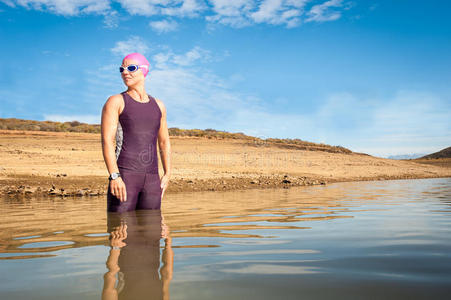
x=372, y=76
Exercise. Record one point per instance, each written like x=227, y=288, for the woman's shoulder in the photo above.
x=115, y=101
x=115, y=97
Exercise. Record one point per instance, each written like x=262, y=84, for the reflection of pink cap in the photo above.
x=141, y=61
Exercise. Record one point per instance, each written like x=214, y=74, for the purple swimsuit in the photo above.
x=136, y=153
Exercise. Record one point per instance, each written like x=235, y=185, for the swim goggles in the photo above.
x=132, y=68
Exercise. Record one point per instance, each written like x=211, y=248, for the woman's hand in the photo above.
x=164, y=184
x=117, y=187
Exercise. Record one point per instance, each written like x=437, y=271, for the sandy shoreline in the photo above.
x=71, y=164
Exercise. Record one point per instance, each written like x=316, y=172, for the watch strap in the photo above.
x=117, y=175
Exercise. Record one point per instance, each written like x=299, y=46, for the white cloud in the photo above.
x=247, y=12
x=267, y=10
x=180, y=8
x=233, y=13
x=140, y=7
x=232, y=8
x=65, y=7
x=163, y=26
x=162, y=59
x=133, y=44
x=195, y=55
x=111, y=19
x=192, y=56
x=189, y=8
x=279, y=12
x=8, y=2
x=322, y=12
x=72, y=8
x=236, y=13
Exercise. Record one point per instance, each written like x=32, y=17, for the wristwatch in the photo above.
x=114, y=176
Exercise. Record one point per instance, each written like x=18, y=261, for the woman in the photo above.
x=136, y=120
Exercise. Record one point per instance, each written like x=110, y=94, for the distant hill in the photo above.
x=75, y=126
x=445, y=153
x=406, y=156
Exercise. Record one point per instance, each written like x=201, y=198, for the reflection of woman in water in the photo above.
x=135, y=256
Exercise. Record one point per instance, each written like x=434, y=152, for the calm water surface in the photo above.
x=359, y=240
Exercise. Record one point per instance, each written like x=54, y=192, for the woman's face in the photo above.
x=131, y=78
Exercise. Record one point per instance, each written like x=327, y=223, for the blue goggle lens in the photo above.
x=131, y=68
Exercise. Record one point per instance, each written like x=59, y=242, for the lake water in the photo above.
x=356, y=240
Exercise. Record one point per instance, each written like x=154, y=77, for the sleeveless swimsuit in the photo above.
x=136, y=154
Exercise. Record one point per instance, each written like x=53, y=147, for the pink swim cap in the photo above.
x=141, y=61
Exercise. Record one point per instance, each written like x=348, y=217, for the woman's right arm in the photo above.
x=110, y=117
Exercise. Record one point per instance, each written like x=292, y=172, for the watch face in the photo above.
x=114, y=176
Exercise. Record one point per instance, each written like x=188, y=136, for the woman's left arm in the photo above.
x=165, y=148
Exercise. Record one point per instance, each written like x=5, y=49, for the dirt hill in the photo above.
x=445, y=153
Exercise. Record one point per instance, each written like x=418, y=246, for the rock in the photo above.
x=30, y=190
x=286, y=181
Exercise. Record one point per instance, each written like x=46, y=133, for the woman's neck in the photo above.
x=138, y=93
